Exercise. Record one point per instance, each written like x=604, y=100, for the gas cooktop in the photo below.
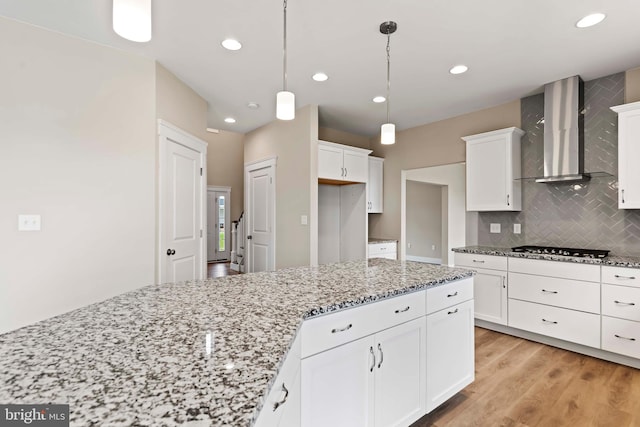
x=551, y=250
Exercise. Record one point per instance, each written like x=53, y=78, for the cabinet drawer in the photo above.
x=565, y=293
x=569, y=325
x=621, y=301
x=621, y=336
x=335, y=329
x=565, y=270
x=481, y=261
x=621, y=276
x=441, y=297
x=382, y=248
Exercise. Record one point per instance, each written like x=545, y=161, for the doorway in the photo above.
x=260, y=211
x=218, y=223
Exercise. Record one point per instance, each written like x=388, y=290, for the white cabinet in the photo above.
x=493, y=170
x=338, y=162
x=490, y=285
x=387, y=250
x=378, y=380
x=628, y=155
x=374, y=185
x=621, y=310
x=450, y=342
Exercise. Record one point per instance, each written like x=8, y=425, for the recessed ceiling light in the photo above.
x=459, y=69
x=213, y=130
x=379, y=99
x=320, y=77
x=253, y=105
x=591, y=20
x=230, y=120
x=231, y=44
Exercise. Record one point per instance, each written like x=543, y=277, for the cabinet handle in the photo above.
x=455, y=294
x=550, y=321
x=549, y=292
x=624, y=338
x=478, y=261
x=452, y=312
x=503, y=284
x=374, y=359
x=381, y=355
x=617, y=276
x=623, y=195
x=508, y=200
x=346, y=172
x=403, y=310
x=346, y=328
x=284, y=399
x=624, y=303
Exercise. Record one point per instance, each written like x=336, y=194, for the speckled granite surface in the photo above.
x=376, y=240
x=619, y=261
x=142, y=358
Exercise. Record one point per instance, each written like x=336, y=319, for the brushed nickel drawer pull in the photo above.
x=478, y=261
x=624, y=303
x=617, y=276
x=549, y=292
x=452, y=312
x=381, y=355
x=624, y=338
x=284, y=399
x=403, y=310
x=455, y=294
x=550, y=321
x=346, y=328
x=374, y=359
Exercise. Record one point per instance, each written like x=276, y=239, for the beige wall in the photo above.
x=345, y=138
x=292, y=142
x=78, y=148
x=424, y=219
x=433, y=144
x=632, y=86
x=225, y=165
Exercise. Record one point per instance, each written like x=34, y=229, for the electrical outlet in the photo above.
x=29, y=222
x=494, y=228
x=517, y=228
x=433, y=247
x=304, y=220
x=409, y=245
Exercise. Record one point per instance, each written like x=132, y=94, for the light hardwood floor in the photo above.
x=522, y=383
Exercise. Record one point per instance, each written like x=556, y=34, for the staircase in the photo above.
x=237, y=244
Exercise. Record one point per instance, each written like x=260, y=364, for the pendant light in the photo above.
x=388, y=130
x=285, y=101
x=132, y=19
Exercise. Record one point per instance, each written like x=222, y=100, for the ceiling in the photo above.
x=512, y=48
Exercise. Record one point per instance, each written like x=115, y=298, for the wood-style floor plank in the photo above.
x=521, y=383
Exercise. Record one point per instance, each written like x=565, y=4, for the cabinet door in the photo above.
x=356, y=166
x=490, y=296
x=487, y=175
x=337, y=386
x=628, y=155
x=400, y=380
x=450, y=352
x=290, y=416
x=330, y=162
x=374, y=185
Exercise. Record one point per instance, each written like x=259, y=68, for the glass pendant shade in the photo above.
x=388, y=134
x=132, y=19
x=286, y=105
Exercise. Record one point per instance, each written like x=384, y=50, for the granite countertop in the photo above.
x=614, y=260
x=199, y=353
x=377, y=240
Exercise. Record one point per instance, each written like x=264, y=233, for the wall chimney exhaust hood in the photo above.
x=564, y=132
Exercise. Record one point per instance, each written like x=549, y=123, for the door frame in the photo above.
x=168, y=132
x=270, y=162
x=227, y=213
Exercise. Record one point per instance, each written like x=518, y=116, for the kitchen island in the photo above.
x=196, y=353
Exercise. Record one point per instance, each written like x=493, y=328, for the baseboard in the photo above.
x=565, y=345
x=423, y=259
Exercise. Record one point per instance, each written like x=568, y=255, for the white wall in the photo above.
x=424, y=221
x=77, y=123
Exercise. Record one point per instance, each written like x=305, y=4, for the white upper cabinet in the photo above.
x=342, y=163
x=374, y=185
x=493, y=170
x=628, y=155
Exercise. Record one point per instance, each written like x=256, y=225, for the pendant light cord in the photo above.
x=388, y=75
x=284, y=56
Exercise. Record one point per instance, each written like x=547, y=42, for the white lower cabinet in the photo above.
x=378, y=380
x=450, y=352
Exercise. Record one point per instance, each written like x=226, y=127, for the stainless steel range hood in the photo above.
x=564, y=131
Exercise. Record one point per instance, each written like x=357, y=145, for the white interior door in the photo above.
x=260, y=209
x=182, y=195
x=218, y=224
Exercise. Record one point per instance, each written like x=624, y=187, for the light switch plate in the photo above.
x=304, y=220
x=494, y=228
x=517, y=228
x=29, y=222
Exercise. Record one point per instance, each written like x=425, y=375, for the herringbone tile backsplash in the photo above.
x=572, y=215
